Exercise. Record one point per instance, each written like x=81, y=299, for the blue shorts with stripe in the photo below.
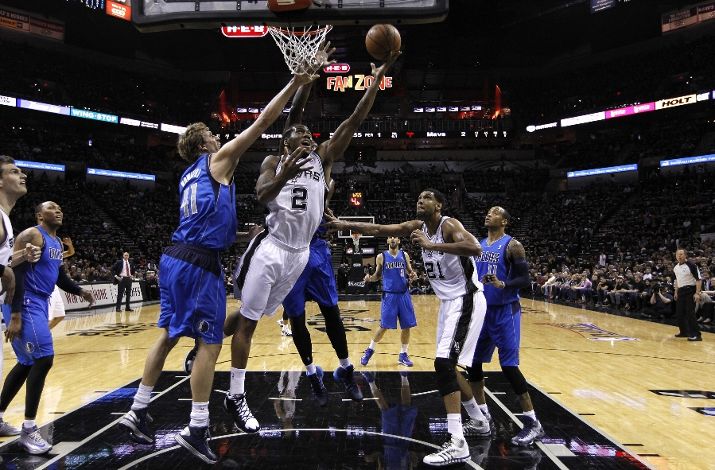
x=397, y=306
x=316, y=282
x=502, y=329
x=192, y=293
x=35, y=340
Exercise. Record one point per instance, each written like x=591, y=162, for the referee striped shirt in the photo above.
x=687, y=274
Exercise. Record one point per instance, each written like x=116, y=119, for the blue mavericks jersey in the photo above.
x=41, y=277
x=494, y=261
x=207, y=212
x=394, y=272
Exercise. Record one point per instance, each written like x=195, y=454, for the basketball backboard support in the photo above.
x=160, y=15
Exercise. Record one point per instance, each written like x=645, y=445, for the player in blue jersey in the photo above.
x=398, y=422
x=396, y=270
x=28, y=325
x=503, y=269
x=193, y=296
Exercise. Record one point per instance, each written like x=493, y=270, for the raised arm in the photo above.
x=336, y=145
x=224, y=162
x=298, y=106
x=67, y=241
x=457, y=240
x=391, y=230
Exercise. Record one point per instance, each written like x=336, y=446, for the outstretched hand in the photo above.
x=294, y=163
x=388, y=63
x=324, y=53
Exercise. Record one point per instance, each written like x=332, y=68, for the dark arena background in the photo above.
x=592, y=122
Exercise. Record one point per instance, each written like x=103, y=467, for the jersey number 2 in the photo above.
x=300, y=198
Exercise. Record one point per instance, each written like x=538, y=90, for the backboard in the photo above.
x=159, y=15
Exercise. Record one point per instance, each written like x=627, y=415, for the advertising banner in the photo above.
x=105, y=295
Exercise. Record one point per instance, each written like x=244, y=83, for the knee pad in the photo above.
x=475, y=373
x=516, y=379
x=446, y=376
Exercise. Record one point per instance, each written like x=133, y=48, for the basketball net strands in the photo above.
x=356, y=240
x=300, y=46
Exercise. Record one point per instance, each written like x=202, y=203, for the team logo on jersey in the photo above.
x=55, y=253
x=30, y=347
x=202, y=326
x=488, y=257
x=11, y=242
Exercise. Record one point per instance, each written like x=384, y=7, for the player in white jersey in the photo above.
x=293, y=187
x=447, y=251
x=56, y=307
x=12, y=188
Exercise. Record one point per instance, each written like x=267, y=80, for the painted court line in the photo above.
x=97, y=433
x=539, y=444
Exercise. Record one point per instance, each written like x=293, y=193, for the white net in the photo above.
x=301, y=46
x=356, y=240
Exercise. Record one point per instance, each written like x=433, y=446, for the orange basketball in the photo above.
x=381, y=40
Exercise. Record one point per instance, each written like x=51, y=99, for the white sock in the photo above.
x=28, y=424
x=484, y=408
x=373, y=345
x=142, y=397
x=531, y=414
x=473, y=409
x=199, y=414
x=237, y=378
x=454, y=425
x=310, y=369
x=345, y=363
x=404, y=348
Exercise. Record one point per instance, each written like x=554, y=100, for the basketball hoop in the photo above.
x=300, y=46
x=356, y=240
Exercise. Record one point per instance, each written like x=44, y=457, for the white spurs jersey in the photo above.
x=297, y=211
x=451, y=276
x=6, y=248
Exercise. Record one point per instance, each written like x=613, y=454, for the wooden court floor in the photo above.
x=604, y=368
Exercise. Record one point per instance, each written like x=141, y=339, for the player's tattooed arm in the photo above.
x=31, y=242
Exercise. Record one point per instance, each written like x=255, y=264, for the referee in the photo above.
x=687, y=289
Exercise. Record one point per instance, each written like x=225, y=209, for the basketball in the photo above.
x=381, y=40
